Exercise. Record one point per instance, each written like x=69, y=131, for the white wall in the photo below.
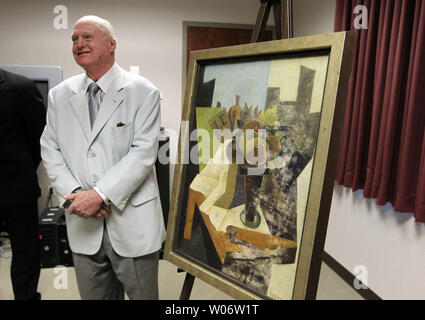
x=149, y=34
x=313, y=17
x=388, y=243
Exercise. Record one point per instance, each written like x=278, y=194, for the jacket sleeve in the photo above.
x=33, y=115
x=62, y=179
x=130, y=172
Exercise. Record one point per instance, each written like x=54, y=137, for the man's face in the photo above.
x=91, y=47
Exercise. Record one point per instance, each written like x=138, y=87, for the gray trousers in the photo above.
x=106, y=275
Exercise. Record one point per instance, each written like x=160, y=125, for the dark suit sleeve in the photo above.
x=33, y=115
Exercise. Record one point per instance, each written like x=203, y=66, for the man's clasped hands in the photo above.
x=87, y=204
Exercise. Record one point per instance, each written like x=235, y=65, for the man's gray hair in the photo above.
x=103, y=24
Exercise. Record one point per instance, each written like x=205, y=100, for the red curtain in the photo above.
x=383, y=146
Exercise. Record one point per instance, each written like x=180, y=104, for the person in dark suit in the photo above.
x=22, y=120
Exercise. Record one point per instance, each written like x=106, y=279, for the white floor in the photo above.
x=60, y=284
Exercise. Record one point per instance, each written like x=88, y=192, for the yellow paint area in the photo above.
x=285, y=74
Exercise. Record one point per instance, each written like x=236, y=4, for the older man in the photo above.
x=99, y=147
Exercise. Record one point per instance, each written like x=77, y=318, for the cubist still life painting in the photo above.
x=244, y=200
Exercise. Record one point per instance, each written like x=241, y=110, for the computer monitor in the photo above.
x=45, y=77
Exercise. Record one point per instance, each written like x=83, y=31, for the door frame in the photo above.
x=187, y=24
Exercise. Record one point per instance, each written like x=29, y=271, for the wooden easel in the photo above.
x=282, y=11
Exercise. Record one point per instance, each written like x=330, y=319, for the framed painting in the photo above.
x=256, y=164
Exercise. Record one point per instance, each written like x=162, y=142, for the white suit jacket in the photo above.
x=118, y=155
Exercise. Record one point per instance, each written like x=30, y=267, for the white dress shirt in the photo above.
x=104, y=82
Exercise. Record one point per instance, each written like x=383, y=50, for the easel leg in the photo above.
x=282, y=10
x=260, y=24
x=187, y=287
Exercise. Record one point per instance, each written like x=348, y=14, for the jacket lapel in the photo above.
x=111, y=101
x=80, y=105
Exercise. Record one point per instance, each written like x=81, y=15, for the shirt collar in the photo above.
x=105, y=81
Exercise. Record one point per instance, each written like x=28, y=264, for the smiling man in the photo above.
x=99, y=148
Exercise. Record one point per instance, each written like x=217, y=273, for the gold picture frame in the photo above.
x=328, y=59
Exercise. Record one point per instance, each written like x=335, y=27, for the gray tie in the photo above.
x=93, y=104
